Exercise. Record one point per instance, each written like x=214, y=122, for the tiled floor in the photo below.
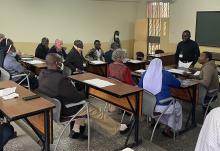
x=102, y=142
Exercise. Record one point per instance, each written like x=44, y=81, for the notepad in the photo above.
x=34, y=62
x=196, y=73
x=140, y=71
x=184, y=65
x=97, y=62
x=134, y=61
x=7, y=91
x=177, y=71
x=99, y=83
x=10, y=96
x=26, y=59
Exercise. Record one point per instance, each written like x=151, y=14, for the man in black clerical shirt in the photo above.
x=42, y=49
x=75, y=59
x=187, y=50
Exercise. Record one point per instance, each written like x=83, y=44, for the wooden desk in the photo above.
x=136, y=66
x=36, y=68
x=167, y=58
x=99, y=69
x=187, y=93
x=121, y=95
x=37, y=113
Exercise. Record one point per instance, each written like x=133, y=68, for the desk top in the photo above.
x=191, y=82
x=119, y=89
x=17, y=108
x=40, y=65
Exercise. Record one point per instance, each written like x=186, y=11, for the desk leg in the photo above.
x=47, y=130
x=193, y=120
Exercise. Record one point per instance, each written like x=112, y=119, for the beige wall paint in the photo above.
x=29, y=47
x=27, y=21
x=183, y=16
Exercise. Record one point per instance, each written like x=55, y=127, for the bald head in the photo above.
x=53, y=61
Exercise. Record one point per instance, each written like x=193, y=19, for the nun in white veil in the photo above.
x=158, y=82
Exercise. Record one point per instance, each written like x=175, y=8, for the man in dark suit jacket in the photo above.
x=53, y=84
x=58, y=48
x=42, y=49
x=75, y=59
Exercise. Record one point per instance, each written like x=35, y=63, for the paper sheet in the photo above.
x=7, y=91
x=185, y=82
x=34, y=62
x=196, y=73
x=99, y=83
x=10, y=96
x=26, y=58
x=177, y=71
x=134, y=61
x=140, y=71
x=97, y=62
x=184, y=65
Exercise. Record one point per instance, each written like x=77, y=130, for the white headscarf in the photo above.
x=152, y=81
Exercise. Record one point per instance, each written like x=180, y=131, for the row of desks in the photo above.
x=38, y=112
x=101, y=69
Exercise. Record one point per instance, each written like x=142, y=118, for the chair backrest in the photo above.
x=159, y=51
x=56, y=110
x=67, y=71
x=149, y=102
x=56, y=102
x=4, y=75
x=139, y=55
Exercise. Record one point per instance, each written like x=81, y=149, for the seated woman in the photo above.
x=159, y=82
x=118, y=70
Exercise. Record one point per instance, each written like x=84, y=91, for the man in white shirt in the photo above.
x=209, y=137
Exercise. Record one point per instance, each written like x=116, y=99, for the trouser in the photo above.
x=7, y=133
x=202, y=94
x=100, y=117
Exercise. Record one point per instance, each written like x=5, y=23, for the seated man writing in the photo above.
x=208, y=77
x=55, y=85
x=14, y=67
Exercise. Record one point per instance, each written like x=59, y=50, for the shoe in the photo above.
x=75, y=135
x=82, y=129
x=168, y=134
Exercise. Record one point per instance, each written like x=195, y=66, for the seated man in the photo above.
x=42, y=49
x=58, y=48
x=118, y=70
x=15, y=68
x=208, y=77
x=208, y=139
x=55, y=85
x=75, y=59
x=95, y=53
x=159, y=82
x=108, y=54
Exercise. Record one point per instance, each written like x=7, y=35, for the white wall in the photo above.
x=183, y=16
x=30, y=20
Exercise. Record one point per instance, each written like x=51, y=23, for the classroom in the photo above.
x=109, y=75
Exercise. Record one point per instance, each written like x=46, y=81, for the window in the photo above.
x=156, y=11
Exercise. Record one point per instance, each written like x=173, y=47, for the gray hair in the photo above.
x=2, y=36
x=118, y=55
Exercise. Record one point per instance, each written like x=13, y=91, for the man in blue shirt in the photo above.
x=108, y=54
